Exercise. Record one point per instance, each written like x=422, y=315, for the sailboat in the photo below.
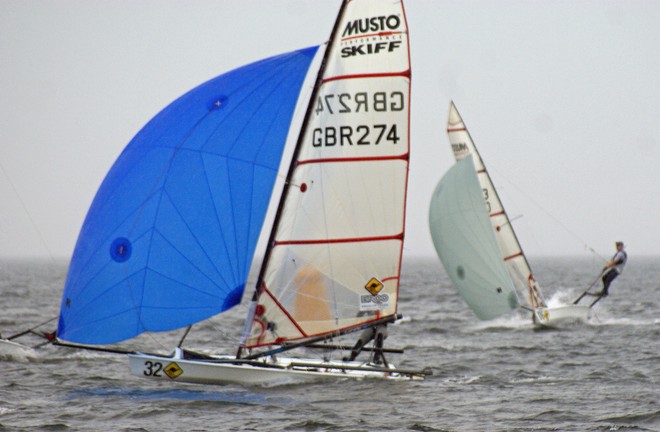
x=476, y=241
x=171, y=234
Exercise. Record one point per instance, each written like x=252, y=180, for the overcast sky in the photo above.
x=561, y=97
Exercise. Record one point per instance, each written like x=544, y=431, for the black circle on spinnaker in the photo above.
x=120, y=249
x=460, y=272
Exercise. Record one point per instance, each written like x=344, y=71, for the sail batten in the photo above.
x=339, y=240
x=405, y=74
x=355, y=159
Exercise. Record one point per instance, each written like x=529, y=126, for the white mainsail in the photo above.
x=463, y=237
x=335, y=254
x=515, y=261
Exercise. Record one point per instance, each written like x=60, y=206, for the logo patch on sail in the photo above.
x=374, y=286
x=173, y=370
x=374, y=301
x=460, y=149
x=372, y=25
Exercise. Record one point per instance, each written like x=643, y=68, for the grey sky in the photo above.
x=561, y=97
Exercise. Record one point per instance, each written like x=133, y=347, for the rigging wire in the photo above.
x=29, y=215
x=218, y=329
x=155, y=340
x=551, y=216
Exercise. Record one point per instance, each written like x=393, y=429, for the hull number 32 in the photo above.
x=156, y=369
x=152, y=368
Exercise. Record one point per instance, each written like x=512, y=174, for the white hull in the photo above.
x=555, y=316
x=220, y=370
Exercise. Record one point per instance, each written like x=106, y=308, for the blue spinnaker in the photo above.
x=169, y=238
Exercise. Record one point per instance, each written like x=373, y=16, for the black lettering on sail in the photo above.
x=373, y=25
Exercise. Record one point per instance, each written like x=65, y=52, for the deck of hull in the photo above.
x=556, y=316
x=229, y=370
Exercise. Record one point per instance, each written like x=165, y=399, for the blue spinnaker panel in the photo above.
x=169, y=238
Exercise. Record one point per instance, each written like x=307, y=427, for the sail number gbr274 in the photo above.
x=353, y=105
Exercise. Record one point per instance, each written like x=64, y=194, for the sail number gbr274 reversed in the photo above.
x=360, y=103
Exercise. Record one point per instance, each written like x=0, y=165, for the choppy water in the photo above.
x=494, y=376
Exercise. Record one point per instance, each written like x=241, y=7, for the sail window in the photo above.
x=220, y=102
x=121, y=249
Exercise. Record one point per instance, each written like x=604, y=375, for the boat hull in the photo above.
x=229, y=370
x=556, y=316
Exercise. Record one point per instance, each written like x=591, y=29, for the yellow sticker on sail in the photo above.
x=173, y=370
x=374, y=286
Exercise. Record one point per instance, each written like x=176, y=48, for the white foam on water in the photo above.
x=12, y=351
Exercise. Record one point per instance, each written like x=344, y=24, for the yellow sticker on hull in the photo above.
x=173, y=370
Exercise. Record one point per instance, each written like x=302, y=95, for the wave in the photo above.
x=12, y=351
x=510, y=322
x=648, y=418
x=239, y=397
x=608, y=320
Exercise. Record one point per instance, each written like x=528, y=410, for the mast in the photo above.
x=285, y=191
x=504, y=232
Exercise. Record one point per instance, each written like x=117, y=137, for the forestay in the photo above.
x=334, y=262
x=170, y=235
x=514, y=258
x=465, y=242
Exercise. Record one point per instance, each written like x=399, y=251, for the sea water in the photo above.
x=501, y=375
